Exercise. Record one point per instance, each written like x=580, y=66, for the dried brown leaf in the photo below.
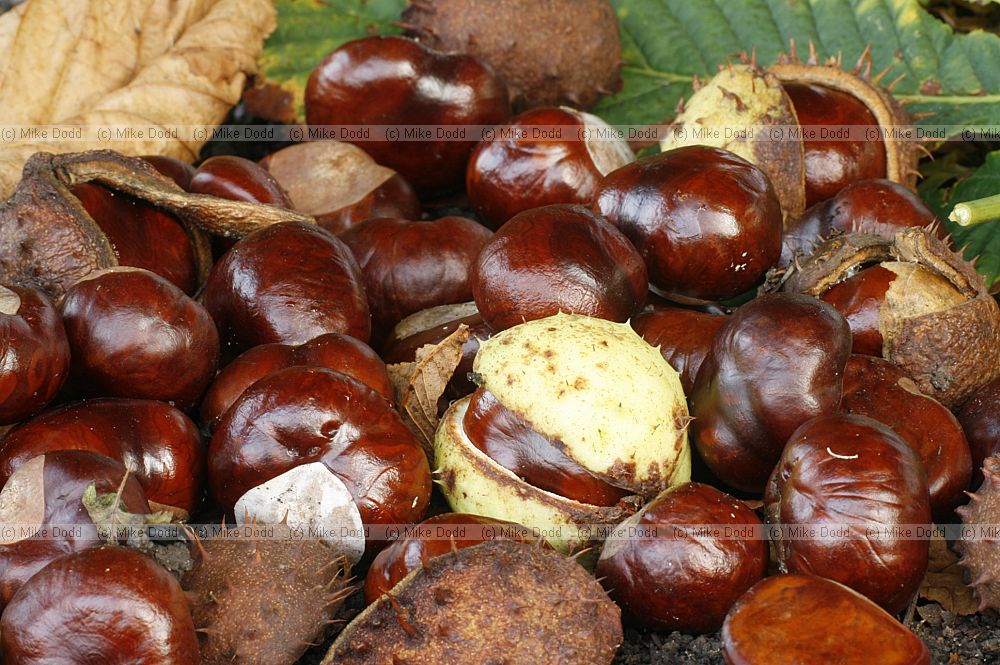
x=944, y=583
x=420, y=384
x=142, y=64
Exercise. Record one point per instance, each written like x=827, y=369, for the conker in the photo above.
x=287, y=283
x=341, y=353
x=666, y=574
x=878, y=389
x=880, y=207
x=432, y=326
x=542, y=157
x=386, y=81
x=34, y=354
x=178, y=171
x=980, y=419
x=141, y=235
x=237, y=179
x=158, y=444
x=301, y=415
x=558, y=258
x=44, y=497
x=409, y=266
x=833, y=163
x=683, y=336
x=134, y=334
x=777, y=362
x=861, y=493
x=433, y=537
x=707, y=223
x=539, y=460
x=108, y=604
x=860, y=298
x=801, y=620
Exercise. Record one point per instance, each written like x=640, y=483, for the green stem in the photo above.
x=975, y=212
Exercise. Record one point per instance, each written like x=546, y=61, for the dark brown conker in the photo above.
x=683, y=336
x=558, y=258
x=542, y=157
x=707, y=222
x=667, y=574
x=387, y=81
x=777, y=362
x=134, y=334
x=341, y=353
x=852, y=496
x=409, y=266
x=108, y=604
x=878, y=389
x=34, y=354
x=300, y=415
x=287, y=283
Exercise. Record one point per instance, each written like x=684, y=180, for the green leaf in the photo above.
x=982, y=240
x=307, y=31
x=667, y=42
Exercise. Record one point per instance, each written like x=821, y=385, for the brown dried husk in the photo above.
x=263, y=601
x=48, y=240
x=949, y=353
x=498, y=602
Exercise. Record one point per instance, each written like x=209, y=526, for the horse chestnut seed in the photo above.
x=851, y=480
x=134, y=334
x=34, y=355
x=696, y=576
x=707, y=223
x=792, y=619
x=394, y=81
x=540, y=159
x=107, y=604
x=558, y=258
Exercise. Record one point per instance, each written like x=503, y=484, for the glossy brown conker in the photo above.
x=34, y=354
x=141, y=235
x=287, y=283
x=237, y=179
x=797, y=619
x=860, y=494
x=681, y=562
x=707, y=222
x=108, y=604
x=156, y=442
x=542, y=157
x=683, y=336
x=878, y=389
x=777, y=362
x=433, y=537
x=558, y=258
x=409, y=265
x=134, y=334
x=341, y=353
x=300, y=415
x=340, y=184
x=387, y=81
x=834, y=163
